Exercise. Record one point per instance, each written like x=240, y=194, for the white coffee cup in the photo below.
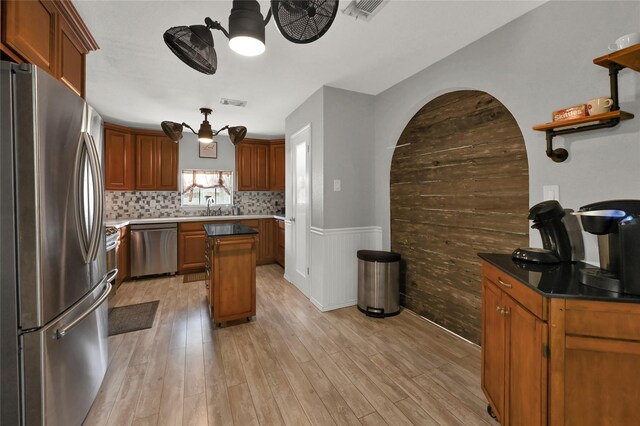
x=599, y=105
x=625, y=41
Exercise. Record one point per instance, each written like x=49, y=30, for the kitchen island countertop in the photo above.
x=228, y=230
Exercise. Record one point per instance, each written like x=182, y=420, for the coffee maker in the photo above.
x=617, y=225
x=560, y=233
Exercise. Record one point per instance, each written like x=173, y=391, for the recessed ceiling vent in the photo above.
x=364, y=9
x=233, y=102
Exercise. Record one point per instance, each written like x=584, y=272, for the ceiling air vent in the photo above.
x=364, y=9
x=233, y=102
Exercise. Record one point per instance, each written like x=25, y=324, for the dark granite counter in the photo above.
x=228, y=230
x=559, y=280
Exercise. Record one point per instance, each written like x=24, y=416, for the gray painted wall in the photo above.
x=341, y=148
x=189, y=154
x=348, y=156
x=536, y=64
x=310, y=112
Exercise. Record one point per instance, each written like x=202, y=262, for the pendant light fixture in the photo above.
x=297, y=20
x=205, y=134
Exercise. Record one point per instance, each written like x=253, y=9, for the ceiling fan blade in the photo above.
x=172, y=130
x=237, y=134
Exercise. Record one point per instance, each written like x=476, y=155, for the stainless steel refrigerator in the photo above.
x=54, y=283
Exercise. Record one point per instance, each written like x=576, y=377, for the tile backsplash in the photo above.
x=148, y=204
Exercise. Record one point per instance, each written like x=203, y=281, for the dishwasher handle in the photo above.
x=152, y=226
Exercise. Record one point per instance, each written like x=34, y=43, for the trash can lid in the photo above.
x=378, y=256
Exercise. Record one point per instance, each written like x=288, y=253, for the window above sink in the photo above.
x=200, y=186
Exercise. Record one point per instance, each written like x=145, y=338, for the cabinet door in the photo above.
x=31, y=32
x=118, y=154
x=123, y=263
x=167, y=164
x=191, y=253
x=261, y=167
x=279, y=242
x=266, y=240
x=493, y=346
x=527, y=366
x=146, y=162
x=276, y=166
x=244, y=166
x=71, y=55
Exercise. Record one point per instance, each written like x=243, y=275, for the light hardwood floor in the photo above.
x=292, y=365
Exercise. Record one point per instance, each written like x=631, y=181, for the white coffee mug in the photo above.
x=599, y=105
x=625, y=41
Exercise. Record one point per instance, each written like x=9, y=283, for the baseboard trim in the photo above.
x=332, y=306
x=441, y=327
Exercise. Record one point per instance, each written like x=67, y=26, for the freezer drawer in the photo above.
x=65, y=361
x=154, y=249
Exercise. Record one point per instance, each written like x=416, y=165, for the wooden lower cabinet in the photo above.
x=279, y=242
x=558, y=361
x=122, y=254
x=231, y=272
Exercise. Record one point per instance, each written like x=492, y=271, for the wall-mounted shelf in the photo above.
x=614, y=62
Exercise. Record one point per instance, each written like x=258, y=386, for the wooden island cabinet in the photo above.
x=230, y=253
x=554, y=351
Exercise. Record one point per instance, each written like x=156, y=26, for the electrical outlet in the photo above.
x=551, y=192
x=337, y=185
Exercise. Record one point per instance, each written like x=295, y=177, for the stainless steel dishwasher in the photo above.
x=154, y=249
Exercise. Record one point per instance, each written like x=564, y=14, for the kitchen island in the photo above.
x=230, y=253
x=555, y=351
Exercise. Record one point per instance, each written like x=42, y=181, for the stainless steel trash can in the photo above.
x=378, y=283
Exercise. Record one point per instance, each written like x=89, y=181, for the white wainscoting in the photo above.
x=334, y=265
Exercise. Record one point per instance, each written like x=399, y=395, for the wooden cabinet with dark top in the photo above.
x=119, y=158
x=279, y=242
x=514, y=367
x=276, y=165
x=557, y=359
x=49, y=34
x=260, y=165
x=231, y=277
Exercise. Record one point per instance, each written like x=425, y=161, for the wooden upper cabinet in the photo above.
x=49, y=34
x=30, y=31
x=276, y=165
x=146, y=162
x=261, y=167
x=244, y=166
x=119, y=159
x=71, y=69
x=167, y=168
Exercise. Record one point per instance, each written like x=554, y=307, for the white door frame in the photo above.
x=301, y=281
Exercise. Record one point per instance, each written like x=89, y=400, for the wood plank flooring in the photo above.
x=292, y=365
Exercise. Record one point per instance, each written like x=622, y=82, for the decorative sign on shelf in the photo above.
x=208, y=150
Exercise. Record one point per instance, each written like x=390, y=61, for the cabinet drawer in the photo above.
x=527, y=297
x=254, y=223
x=603, y=319
x=192, y=226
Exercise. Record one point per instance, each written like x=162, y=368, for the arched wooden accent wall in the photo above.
x=459, y=186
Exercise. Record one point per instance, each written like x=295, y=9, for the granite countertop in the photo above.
x=228, y=229
x=556, y=280
x=119, y=223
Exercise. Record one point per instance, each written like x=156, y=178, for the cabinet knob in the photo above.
x=499, y=309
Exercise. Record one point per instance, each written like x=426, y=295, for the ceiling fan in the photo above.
x=205, y=133
x=299, y=21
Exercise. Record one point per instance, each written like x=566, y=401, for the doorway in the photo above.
x=297, y=249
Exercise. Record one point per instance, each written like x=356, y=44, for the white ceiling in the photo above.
x=134, y=79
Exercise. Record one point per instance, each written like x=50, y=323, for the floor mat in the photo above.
x=197, y=276
x=124, y=319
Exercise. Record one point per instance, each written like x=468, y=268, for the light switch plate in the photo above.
x=336, y=185
x=551, y=192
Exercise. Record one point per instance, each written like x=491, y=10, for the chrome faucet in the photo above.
x=210, y=202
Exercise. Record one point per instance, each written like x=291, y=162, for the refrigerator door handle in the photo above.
x=109, y=277
x=84, y=233
x=98, y=195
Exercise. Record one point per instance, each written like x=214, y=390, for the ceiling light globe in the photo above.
x=205, y=139
x=247, y=46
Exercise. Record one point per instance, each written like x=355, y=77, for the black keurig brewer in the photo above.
x=560, y=233
x=617, y=225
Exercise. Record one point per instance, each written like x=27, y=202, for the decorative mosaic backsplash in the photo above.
x=148, y=204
